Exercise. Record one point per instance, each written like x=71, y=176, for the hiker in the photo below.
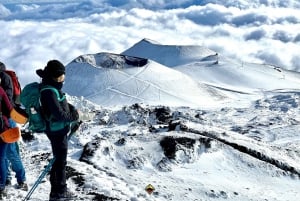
x=15, y=163
x=59, y=112
x=13, y=156
x=5, y=107
x=6, y=82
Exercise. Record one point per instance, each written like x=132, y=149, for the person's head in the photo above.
x=54, y=70
x=2, y=66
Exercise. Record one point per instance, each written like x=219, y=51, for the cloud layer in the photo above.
x=262, y=31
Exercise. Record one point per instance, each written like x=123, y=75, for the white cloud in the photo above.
x=256, y=34
x=67, y=30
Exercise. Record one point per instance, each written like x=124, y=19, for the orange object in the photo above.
x=11, y=135
x=18, y=117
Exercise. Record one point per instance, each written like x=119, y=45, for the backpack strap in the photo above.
x=53, y=126
x=55, y=91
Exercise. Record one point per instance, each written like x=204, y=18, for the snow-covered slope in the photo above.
x=112, y=79
x=169, y=55
x=229, y=152
x=243, y=77
x=207, y=66
x=172, y=75
x=236, y=154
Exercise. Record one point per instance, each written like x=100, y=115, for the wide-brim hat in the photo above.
x=54, y=69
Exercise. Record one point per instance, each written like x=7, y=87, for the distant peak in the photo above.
x=170, y=55
x=111, y=60
x=150, y=41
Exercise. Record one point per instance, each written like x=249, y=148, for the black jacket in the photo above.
x=60, y=111
x=7, y=85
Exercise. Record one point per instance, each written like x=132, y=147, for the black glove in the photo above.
x=73, y=112
x=75, y=126
x=75, y=115
x=71, y=107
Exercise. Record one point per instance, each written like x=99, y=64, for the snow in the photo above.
x=198, y=99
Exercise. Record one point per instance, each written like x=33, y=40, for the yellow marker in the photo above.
x=149, y=188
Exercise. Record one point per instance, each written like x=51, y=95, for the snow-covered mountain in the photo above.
x=185, y=154
x=243, y=146
x=249, y=31
x=197, y=111
x=171, y=55
x=207, y=66
x=111, y=79
x=173, y=75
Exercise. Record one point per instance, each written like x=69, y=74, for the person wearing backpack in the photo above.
x=6, y=82
x=15, y=163
x=59, y=114
x=5, y=108
x=13, y=156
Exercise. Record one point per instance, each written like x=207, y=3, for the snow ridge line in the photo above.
x=254, y=153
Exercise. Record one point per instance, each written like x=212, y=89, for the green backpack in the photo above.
x=30, y=99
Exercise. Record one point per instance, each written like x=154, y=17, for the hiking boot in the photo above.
x=62, y=196
x=22, y=186
x=3, y=193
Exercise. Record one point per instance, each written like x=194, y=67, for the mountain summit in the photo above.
x=110, y=79
x=169, y=55
x=157, y=74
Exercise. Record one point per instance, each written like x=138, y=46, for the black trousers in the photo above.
x=59, y=143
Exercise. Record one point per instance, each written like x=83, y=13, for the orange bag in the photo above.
x=11, y=135
x=18, y=116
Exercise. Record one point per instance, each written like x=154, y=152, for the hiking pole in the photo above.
x=38, y=181
x=73, y=129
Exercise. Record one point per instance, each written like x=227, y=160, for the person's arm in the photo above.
x=6, y=106
x=60, y=112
